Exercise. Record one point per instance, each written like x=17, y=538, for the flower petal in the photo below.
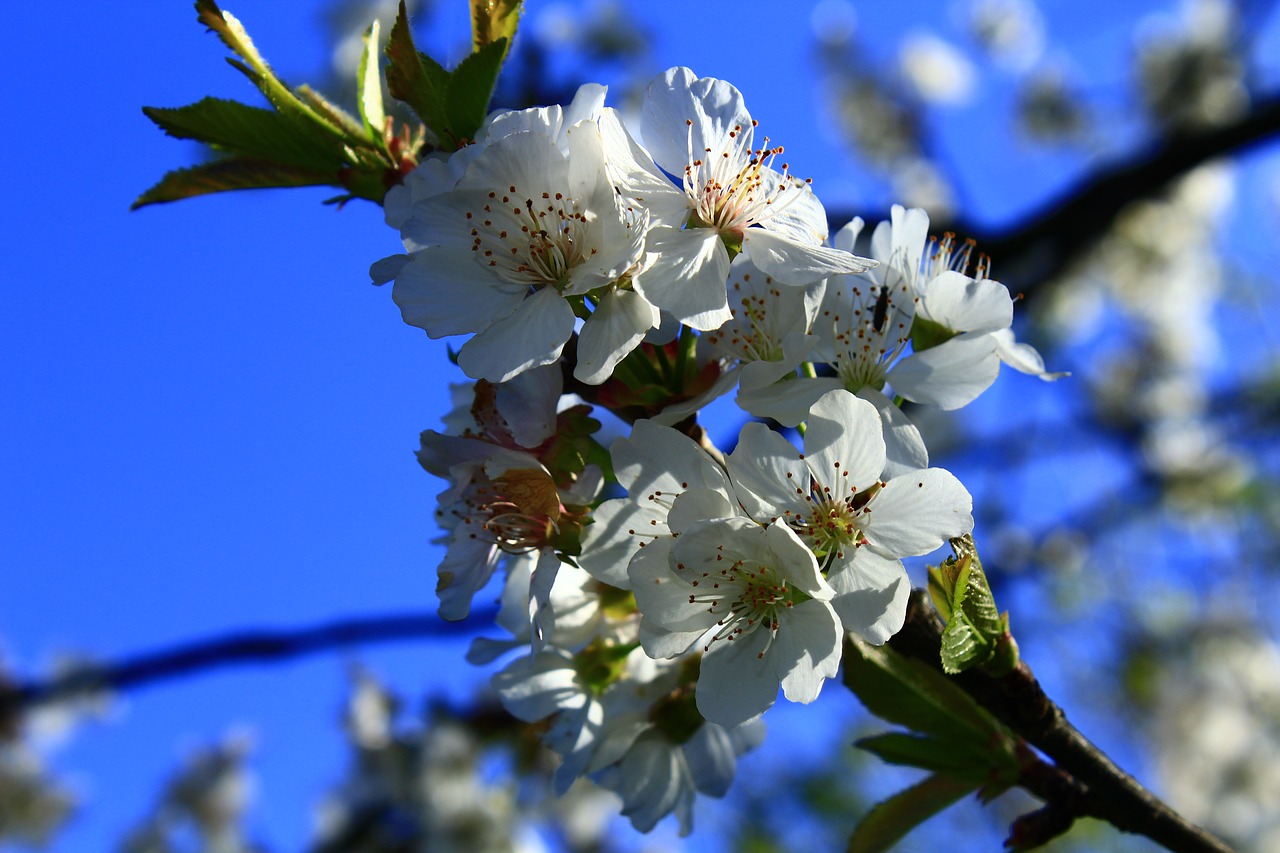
x=531, y=336
x=871, y=594
x=808, y=641
x=844, y=444
x=768, y=473
x=949, y=375
x=444, y=291
x=612, y=331
x=683, y=115
x=687, y=276
x=915, y=513
x=735, y=682
x=795, y=263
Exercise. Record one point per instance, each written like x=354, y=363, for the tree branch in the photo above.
x=1019, y=702
x=260, y=646
x=1044, y=242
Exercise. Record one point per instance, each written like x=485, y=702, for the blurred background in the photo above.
x=209, y=417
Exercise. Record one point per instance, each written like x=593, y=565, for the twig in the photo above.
x=244, y=647
x=1019, y=702
x=1044, y=242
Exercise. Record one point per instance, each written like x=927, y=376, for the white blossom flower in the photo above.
x=916, y=327
x=699, y=130
x=858, y=525
x=530, y=238
x=658, y=776
x=753, y=598
x=657, y=466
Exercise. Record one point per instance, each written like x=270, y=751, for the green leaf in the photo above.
x=963, y=645
x=416, y=78
x=233, y=173
x=234, y=36
x=252, y=131
x=971, y=760
x=492, y=20
x=470, y=88
x=892, y=819
x=908, y=692
x=369, y=85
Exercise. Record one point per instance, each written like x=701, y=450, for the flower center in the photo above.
x=528, y=241
x=735, y=188
x=875, y=331
x=750, y=334
x=743, y=595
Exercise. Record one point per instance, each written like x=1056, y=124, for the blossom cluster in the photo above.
x=651, y=630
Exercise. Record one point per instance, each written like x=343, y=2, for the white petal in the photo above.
x=735, y=683
x=653, y=783
x=387, y=269
x=699, y=505
x=903, y=445
x=963, y=304
x=768, y=473
x=444, y=291
x=612, y=331
x=871, y=594
x=656, y=458
x=620, y=527
x=794, y=561
x=466, y=568
x=687, y=277
x=534, y=688
x=787, y=402
x=795, y=263
x=1023, y=358
x=910, y=233
x=808, y=642
x=637, y=175
x=684, y=114
x=712, y=759
x=804, y=219
x=949, y=375
x=528, y=404
x=915, y=513
x=529, y=161
x=531, y=336
x=844, y=443
x=847, y=236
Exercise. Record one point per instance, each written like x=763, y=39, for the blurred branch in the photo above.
x=246, y=647
x=1104, y=791
x=1033, y=250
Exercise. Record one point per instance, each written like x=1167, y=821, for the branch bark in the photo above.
x=1044, y=242
x=244, y=647
x=1018, y=701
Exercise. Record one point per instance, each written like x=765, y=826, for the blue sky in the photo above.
x=208, y=414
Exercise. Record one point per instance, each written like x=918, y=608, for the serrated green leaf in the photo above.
x=887, y=823
x=963, y=646
x=232, y=173
x=492, y=20
x=962, y=759
x=941, y=588
x=369, y=85
x=255, y=67
x=416, y=78
x=470, y=88
x=251, y=131
x=908, y=692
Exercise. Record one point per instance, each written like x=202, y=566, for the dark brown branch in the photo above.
x=1019, y=702
x=1047, y=240
x=245, y=647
